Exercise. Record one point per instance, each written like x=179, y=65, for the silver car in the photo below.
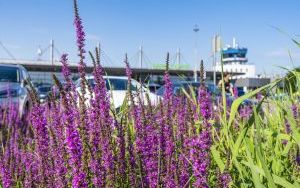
x=13, y=87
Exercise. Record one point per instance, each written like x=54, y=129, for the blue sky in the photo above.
x=159, y=25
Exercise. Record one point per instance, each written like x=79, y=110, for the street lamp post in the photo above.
x=196, y=30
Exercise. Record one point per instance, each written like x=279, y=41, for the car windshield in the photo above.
x=9, y=74
x=114, y=84
x=44, y=89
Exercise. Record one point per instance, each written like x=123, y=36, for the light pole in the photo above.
x=196, y=30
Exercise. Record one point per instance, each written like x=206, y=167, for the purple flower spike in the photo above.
x=200, y=144
x=245, y=112
x=5, y=175
x=224, y=180
x=295, y=110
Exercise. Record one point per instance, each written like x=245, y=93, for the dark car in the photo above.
x=153, y=87
x=43, y=91
x=179, y=88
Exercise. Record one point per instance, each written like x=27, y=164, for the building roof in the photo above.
x=47, y=66
x=252, y=82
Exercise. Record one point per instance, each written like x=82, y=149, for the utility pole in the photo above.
x=216, y=45
x=141, y=57
x=195, y=73
x=52, y=52
x=178, y=56
x=196, y=30
x=214, y=58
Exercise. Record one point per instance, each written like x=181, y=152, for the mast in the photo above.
x=141, y=57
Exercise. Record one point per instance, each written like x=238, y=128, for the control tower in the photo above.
x=235, y=61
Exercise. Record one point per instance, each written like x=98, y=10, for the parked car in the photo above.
x=43, y=91
x=117, y=89
x=153, y=87
x=14, y=87
x=179, y=88
x=240, y=91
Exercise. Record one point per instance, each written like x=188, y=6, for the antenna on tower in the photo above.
x=51, y=47
x=39, y=53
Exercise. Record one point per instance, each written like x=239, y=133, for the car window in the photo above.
x=91, y=83
x=160, y=91
x=9, y=74
x=213, y=89
x=178, y=91
x=113, y=83
x=44, y=89
x=119, y=84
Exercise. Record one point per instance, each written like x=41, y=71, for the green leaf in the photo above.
x=236, y=103
x=258, y=148
x=242, y=135
x=281, y=181
x=217, y=158
x=254, y=169
x=278, y=180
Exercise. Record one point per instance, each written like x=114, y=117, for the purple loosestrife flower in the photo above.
x=224, y=180
x=136, y=111
x=168, y=93
x=122, y=153
x=200, y=144
x=287, y=127
x=72, y=140
x=146, y=146
x=245, y=112
x=199, y=156
x=235, y=92
x=70, y=86
x=95, y=133
x=146, y=139
x=74, y=149
x=167, y=133
x=259, y=96
x=184, y=168
x=83, y=119
x=5, y=175
x=103, y=126
x=131, y=152
x=298, y=159
x=80, y=39
x=31, y=169
x=182, y=136
x=57, y=145
x=205, y=106
x=39, y=123
x=295, y=110
x=288, y=130
x=149, y=152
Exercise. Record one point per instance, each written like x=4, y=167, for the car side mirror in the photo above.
x=23, y=83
